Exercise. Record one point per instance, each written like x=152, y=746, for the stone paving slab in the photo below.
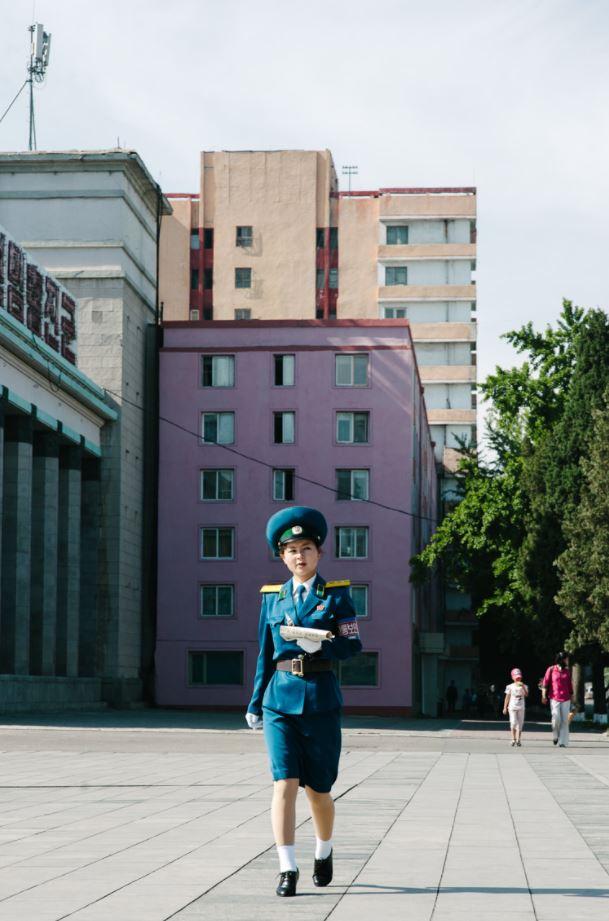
x=424, y=833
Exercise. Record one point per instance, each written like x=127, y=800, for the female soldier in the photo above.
x=296, y=694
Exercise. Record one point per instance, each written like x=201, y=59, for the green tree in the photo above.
x=583, y=567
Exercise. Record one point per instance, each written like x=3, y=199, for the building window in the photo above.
x=351, y=370
x=243, y=313
x=208, y=238
x=284, y=370
x=284, y=428
x=359, y=597
x=333, y=237
x=333, y=279
x=396, y=275
x=218, y=428
x=217, y=485
x=352, y=543
x=352, y=484
x=320, y=237
x=243, y=278
x=359, y=671
x=352, y=428
x=194, y=313
x=216, y=601
x=218, y=371
x=195, y=242
x=208, y=279
x=194, y=279
x=217, y=543
x=244, y=236
x=394, y=313
x=397, y=234
x=215, y=668
x=283, y=485
x=320, y=279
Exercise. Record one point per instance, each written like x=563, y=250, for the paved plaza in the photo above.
x=150, y=816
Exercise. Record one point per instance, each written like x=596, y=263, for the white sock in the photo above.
x=287, y=857
x=323, y=849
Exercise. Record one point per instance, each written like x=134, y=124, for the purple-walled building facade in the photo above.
x=263, y=414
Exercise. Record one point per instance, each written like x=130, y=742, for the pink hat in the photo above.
x=516, y=673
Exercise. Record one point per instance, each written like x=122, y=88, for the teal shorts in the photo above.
x=306, y=747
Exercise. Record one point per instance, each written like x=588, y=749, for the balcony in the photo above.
x=447, y=374
x=427, y=293
x=416, y=252
x=444, y=332
x=451, y=416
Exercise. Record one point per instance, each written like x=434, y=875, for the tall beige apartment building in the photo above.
x=269, y=236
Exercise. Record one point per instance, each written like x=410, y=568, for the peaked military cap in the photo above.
x=295, y=523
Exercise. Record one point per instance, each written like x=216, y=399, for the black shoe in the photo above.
x=287, y=883
x=554, y=741
x=322, y=871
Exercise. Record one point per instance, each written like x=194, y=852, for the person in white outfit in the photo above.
x=515, y=696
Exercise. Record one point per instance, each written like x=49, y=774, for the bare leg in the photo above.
x=322, y=813
x=283, y=810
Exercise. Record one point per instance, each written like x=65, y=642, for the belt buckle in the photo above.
x=298, y=667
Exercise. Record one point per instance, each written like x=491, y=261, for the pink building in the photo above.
x=261, y=414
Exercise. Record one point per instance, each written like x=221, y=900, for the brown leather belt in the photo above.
x=302, y=667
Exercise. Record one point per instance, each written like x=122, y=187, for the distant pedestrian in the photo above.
x=466, y=702
x=514, y=704
x=558, y=687
x=451, y=697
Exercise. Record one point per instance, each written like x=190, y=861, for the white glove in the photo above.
x=309, y=646
x=253, y=720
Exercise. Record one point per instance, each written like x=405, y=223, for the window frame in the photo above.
x=365, y=652
x=353, y=413
x=395, y=268
x=242, y=287
x=282, y=355
x=216, y=470
x=353, y=356
x=217, y=585
x=214, y=357
x=333, y=280
x=351, y=471
x=396, y=227
x=244, y=241
x=366, y=587
x=206, y=684
x=194, y=235
x=283, y=470
x=217, y=528
x=284, y=412
x=351, y=527
x=216, y=412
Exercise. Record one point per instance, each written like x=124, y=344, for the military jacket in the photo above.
x=327, y=607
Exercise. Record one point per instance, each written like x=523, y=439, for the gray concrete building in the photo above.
x=54, y=424
x=92, y=219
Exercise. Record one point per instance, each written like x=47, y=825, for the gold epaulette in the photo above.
x=338, y=583
x=271, y=588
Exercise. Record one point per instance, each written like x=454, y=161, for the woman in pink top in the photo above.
x=557, y=686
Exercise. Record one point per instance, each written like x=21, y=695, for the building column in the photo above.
x=45, y=511
x=16, y=546
x=89, y=653
x=68, y=587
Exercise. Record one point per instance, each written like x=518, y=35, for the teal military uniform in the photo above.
x=301, y=715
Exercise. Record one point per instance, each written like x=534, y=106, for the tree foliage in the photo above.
x=501, y=542
x=583, y=567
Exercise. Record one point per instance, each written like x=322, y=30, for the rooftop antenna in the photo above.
x=39, y=61
x=349, y=171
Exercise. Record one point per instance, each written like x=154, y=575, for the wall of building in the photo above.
x=91, y=218
x=391, y=400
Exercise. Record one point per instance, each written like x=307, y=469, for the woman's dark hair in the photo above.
x=561, y=657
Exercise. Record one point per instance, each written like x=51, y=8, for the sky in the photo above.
x=509, y=95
